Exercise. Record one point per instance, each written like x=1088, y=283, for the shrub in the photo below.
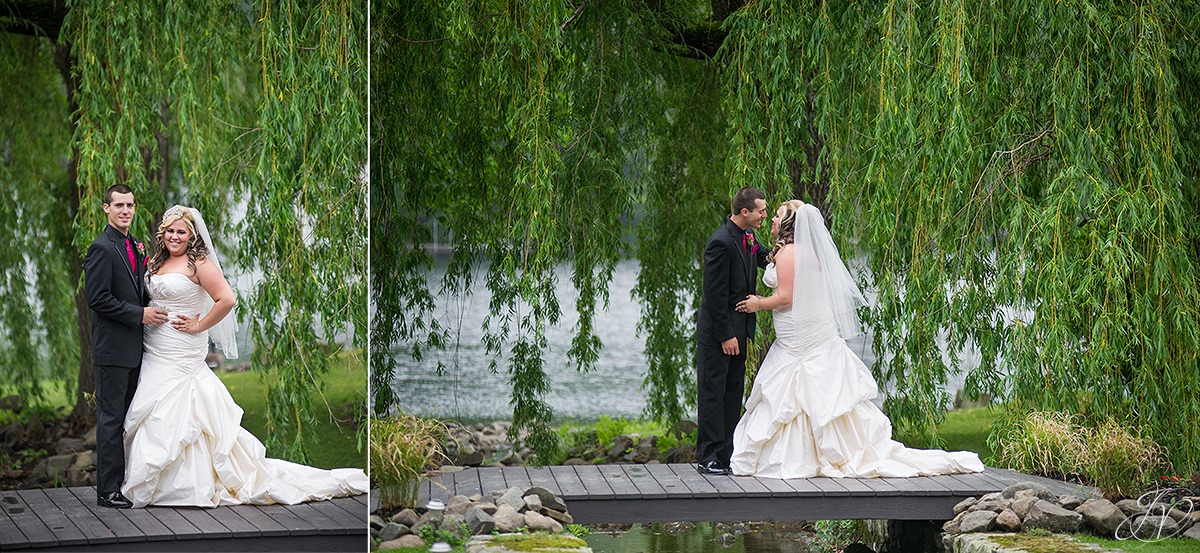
x=403, y=448
x=1111, y=457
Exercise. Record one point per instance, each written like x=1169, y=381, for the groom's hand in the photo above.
x=153, y=316
x=730, y=346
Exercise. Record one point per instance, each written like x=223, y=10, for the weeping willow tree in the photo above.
x=254, y=113
x=1017, y=180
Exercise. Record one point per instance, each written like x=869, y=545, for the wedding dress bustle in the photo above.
x=183, y=434
x=810, y=412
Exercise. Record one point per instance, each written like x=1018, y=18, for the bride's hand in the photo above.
x=750, y=304
x=184, y=323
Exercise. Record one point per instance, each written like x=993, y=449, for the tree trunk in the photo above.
x=83, y=416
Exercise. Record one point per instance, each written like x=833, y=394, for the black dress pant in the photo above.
x=114, y=393
x=721, y=379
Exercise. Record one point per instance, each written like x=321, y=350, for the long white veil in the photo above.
x=224, y=333
x=820, y=272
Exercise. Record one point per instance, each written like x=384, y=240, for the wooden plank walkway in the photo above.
x=597, y=494
x=68, y=519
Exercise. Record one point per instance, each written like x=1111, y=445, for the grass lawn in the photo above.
x=336, y=438
x=963, y=430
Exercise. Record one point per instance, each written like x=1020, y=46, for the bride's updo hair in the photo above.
x=196, y=248
x=787, y=227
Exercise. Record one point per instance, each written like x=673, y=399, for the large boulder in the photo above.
x=480, y=521
x=508, y=519
x=977, y=521
x=1102, y=515
x=1008, y=521
x=1051, y=517
x=1036, y=488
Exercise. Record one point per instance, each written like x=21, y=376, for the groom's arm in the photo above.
x=762, y=254
x=97, y=286
x=716, y=289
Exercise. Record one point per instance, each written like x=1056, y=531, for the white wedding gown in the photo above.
x=810, y=412
x=183, y=434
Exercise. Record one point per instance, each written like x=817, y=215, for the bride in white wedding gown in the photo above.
x=183, y=433
x=810, y=412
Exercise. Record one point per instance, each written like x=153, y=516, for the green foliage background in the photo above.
x=1017, y=177
x=209, y=104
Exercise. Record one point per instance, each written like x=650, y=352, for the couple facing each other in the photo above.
x=809, y=412
x=167, y=430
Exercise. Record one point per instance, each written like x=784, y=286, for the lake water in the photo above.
x=468, y=390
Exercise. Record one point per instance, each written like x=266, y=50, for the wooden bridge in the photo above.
x=68, y=519
x=597, y=494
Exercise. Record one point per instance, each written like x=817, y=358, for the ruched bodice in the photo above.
x=177, y=295
x=803, y=331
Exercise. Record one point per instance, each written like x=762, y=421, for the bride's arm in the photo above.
x=785, y=270
x=218, y=288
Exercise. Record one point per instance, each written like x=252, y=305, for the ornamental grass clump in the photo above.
x=1120, y=461
x=403, y=448
x=1114, y=458
x=1047, y=443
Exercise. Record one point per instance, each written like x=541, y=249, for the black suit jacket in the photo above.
x=116, y=294
x=730, y=274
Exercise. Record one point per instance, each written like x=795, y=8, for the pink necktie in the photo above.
x=132, y=259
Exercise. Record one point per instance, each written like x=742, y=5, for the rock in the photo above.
x=1022, y=506
x=1101, y=515
x=1150, y=527
x=539, y=522
x=57, y=466
x=1071, y=501
x=533, y=502
x=391, y=531
x=453, y=524
x=953, y=526
x=1130, y=507
x=560, y=516
x=12, y=403
x=489, y=508
x=684, y=427
x=480, y=521
x=376, y=523
x=1008, y=521
x=89, y=439
x=513, y=498
x=508, y=519
x=575, y=461
x=458, y=505
x=1193, y=533
x=82, y=471
x=409, y=540
x=407, y=517
x=977, y=521
x=620, y=445
x=1051, y=517
x=965, y=504
x=995, y=505
x=1039, y=490
x=549, y=500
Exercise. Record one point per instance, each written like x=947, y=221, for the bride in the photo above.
x=183, y=431
x=810, y=412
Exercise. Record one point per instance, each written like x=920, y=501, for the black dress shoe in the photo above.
x=113, y=500
x=712, y=468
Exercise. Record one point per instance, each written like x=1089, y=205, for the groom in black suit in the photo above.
x=731, y=261
x=114, y=270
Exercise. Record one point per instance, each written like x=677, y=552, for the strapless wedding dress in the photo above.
x=810, y=412
x=183, y=434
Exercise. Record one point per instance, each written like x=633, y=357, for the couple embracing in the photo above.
x=167, y=430
x=809, y=412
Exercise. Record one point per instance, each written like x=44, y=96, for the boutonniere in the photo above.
x=141, y=249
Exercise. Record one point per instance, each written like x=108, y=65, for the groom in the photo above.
x=731, y=261
x=113, y=282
